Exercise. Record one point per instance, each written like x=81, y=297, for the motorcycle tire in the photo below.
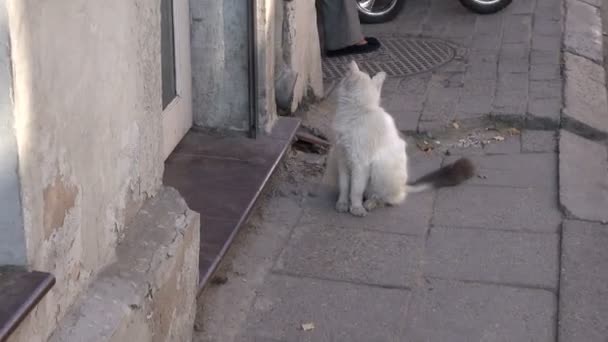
x=377, y=16
x=485, y=6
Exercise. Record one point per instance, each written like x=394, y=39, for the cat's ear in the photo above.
x=353, y=66
x=378, y=80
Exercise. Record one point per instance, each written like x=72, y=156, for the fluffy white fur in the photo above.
x=369, y=153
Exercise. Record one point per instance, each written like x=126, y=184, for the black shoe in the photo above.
x=372, y=45
x=372, y=41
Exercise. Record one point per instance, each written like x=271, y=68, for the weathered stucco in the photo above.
x=87, y=104
x=301, y=49
x=12, y=237
x=149, y=292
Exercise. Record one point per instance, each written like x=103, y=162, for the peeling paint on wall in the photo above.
x=59, y=197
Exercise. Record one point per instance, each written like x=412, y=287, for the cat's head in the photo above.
x=359, y=87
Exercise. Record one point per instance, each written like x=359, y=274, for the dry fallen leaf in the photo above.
x=513, y=131
x=426, y=147
x=308, y=326
x=499, y=138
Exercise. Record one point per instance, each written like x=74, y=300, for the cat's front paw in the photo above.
x=358, y=211
x=342, y=207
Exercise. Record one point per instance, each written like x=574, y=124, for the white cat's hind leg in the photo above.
x=372, y=202
x=387, y=182
x=395, y=198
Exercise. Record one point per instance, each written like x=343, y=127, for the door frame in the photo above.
x=177, y=117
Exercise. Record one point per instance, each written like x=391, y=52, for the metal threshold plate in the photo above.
x=398, y=57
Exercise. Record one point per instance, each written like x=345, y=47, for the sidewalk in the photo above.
x=492, y=260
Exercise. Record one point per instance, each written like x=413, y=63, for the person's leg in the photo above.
x=341, y=23
x=343, y=34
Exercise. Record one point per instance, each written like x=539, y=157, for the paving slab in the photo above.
x=491, y=254
x=538, y=141
x=404, y=100
x=583, y=177
x=442, y=97
x=527, y=209
x=517, y=28
x=510, y=145
x=545, y=71
x=496, y=57
x=521, y=259
x=411, y=217
x=483, y=64
x=355, y=255
x=521, y=7
x=547, y=25
x=514, y=55
x=464, y=312
x=282, y=209
x=545, y=99
x=338, y=311
x=584, y=291
x=512, y=94
x=476, y=96
x=515, y=170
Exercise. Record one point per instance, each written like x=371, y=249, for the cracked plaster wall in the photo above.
x=87, y=110
x=301, y=49
x=12, y=237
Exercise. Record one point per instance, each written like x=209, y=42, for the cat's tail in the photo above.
x=449, y=175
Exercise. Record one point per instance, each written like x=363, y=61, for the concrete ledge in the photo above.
x=584, y=111
x=583, y=178
x=149, y=293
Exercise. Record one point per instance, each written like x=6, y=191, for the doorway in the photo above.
x=176, y=69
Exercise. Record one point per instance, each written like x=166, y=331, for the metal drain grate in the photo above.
x=398, y=57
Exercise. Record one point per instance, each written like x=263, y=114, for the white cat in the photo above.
x=369, y=154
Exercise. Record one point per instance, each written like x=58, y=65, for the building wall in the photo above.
x=286, y=36
x=87, y=104
x=219, y=64
x=301, y=50
x=12, y=237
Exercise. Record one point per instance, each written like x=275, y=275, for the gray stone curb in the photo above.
x=583, y=171
x=585, y=110
x=583, y=155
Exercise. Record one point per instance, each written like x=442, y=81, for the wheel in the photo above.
x=378, y=11
x=485, y=6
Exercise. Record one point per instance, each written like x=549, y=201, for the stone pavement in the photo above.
x=507, y=65
x=492, y=260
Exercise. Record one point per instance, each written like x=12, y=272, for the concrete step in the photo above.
x=149, y=292
x=221, y=176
